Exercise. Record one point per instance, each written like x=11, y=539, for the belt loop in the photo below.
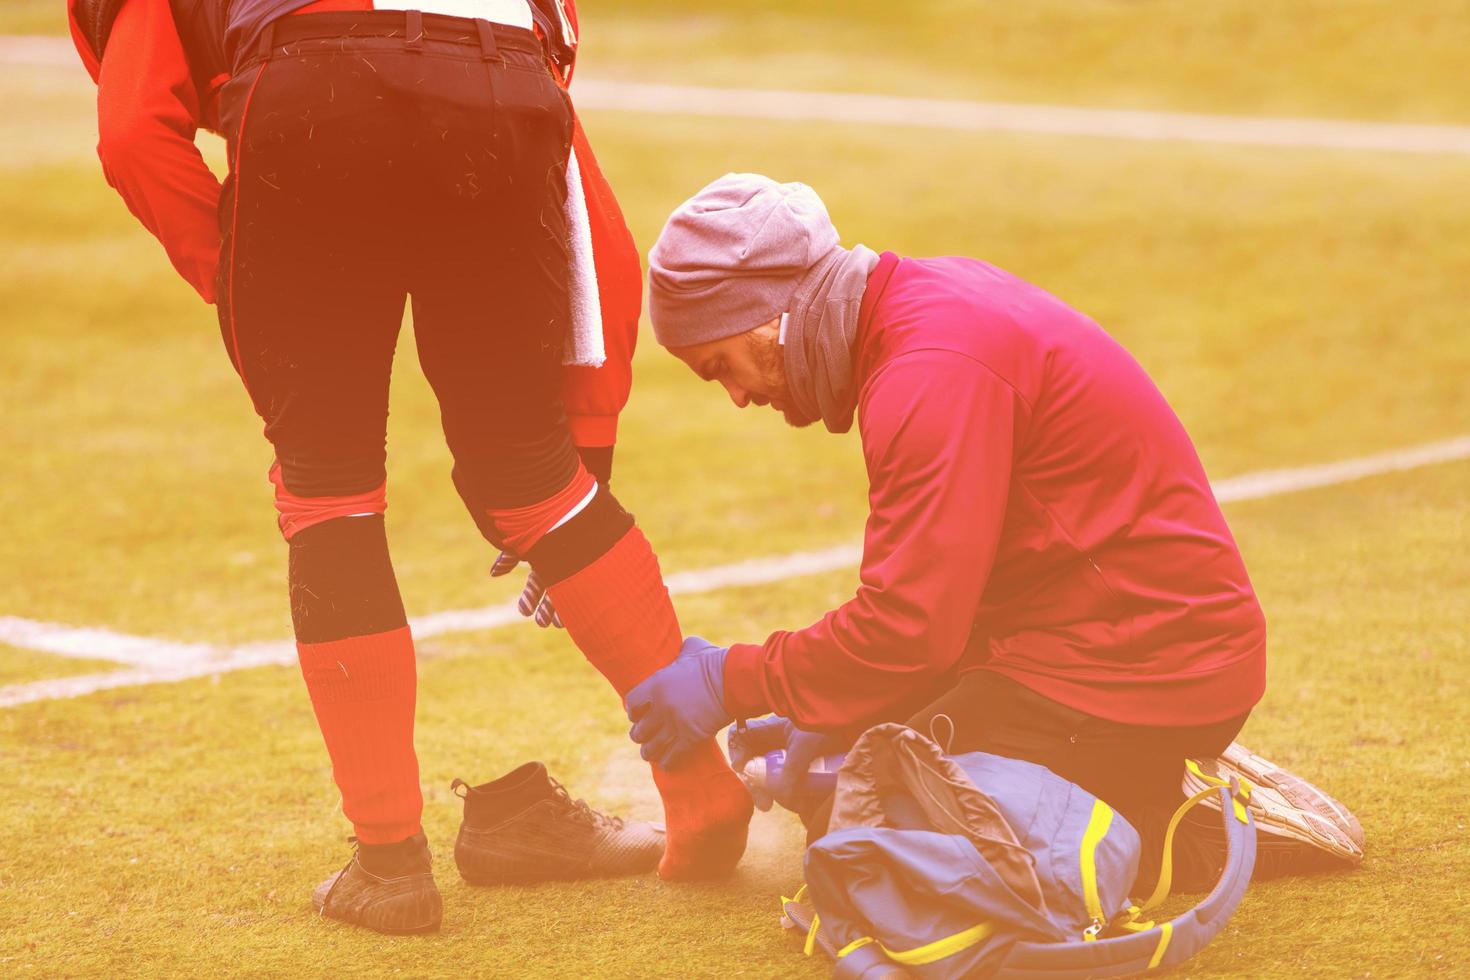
x=489, y=50
x=267, y=40
x=415, y=30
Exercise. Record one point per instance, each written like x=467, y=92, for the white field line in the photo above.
x=888, y=110
x=1130, y=124
x=37, y=50
x=1269, y=483
x=152, y=661
x=98, y=644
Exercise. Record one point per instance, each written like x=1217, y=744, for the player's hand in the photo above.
x=535, y=603
x=681, y=705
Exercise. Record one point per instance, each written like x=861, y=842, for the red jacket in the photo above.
x=1036, y=510
x=148, y=112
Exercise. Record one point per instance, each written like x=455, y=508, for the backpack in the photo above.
x=971, y=865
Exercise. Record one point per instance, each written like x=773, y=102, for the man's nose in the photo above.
x=737, y=394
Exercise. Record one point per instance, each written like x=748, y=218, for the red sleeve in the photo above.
x=938, y=433
x=595, y=396
x=147, y=115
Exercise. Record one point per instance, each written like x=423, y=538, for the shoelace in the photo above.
x=585, y=812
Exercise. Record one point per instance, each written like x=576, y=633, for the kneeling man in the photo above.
x=1046, y=573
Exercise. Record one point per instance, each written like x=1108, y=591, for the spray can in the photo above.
x=764, y=770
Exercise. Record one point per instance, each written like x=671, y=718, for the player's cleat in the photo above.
x=525, y=827
x=388, y=888
x=1299, y=828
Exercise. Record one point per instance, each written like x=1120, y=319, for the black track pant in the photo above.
x=376, y=156
x=1136, y=769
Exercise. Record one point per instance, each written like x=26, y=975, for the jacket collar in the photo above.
x=877, y=283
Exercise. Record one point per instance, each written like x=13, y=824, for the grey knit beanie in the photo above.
x=730, y=257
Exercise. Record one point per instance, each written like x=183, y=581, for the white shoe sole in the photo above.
x=1285, y=805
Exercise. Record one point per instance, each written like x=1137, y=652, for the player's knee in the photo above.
x=563, y=533
x=298, y=510
x=581, y=539
x=516, y=491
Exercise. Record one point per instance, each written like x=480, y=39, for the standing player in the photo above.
x=376, y=155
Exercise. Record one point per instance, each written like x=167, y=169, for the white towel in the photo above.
x=584, y=346
x=516, y=13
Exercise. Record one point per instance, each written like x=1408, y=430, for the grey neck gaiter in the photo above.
x=821, y=333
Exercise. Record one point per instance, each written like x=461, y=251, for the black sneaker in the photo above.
x=388, y=888
x=525, y=827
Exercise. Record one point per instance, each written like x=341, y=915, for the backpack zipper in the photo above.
x=1097, y=828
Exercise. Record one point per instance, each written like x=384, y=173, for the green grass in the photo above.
x=1227, y=271
x=33, y=17
x=168, y=826
x=177, y=814
x=1295, y=306
x=18, y=666
x=1350, y=58
x=1375, y=59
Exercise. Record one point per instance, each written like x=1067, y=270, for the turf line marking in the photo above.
x=38, y=50
x=97, y=644
x=162, y=661
x=1270, y=483
x=950, y=114
x=172, y=663
x=953, y=114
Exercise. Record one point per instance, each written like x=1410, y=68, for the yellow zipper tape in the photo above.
x=1097, y=827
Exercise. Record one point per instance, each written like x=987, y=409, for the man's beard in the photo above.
x=794, y=418
x=770, y=359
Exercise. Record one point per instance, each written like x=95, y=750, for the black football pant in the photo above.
x=1136, y=769
x=374, y=157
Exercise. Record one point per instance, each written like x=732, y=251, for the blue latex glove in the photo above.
x=789, y=787
x=681, y=705
x=534, y=603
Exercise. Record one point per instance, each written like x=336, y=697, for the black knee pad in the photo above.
x=579, y=542
x=342, y=581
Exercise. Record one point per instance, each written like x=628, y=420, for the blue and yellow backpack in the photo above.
x=976, y=865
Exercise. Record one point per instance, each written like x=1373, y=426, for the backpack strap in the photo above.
x=1153, y=946
x=866, y=958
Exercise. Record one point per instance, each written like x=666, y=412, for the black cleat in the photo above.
x=525, y=827
x=388, y=888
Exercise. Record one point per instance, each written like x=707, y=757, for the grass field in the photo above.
x=1374, y=59
x=1296, y=307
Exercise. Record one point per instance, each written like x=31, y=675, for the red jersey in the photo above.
x=1036, y=510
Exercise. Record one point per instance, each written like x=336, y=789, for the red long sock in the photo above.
x=363, y=689
x=618, y=612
